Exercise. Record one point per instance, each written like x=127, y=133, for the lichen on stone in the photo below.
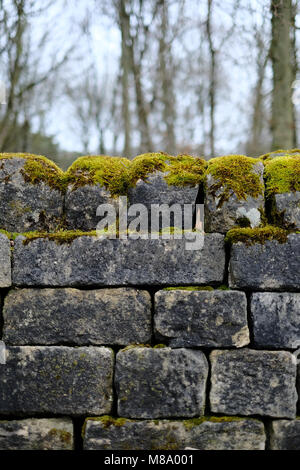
x=249, y=236
x=191, y=423
x=233, y=174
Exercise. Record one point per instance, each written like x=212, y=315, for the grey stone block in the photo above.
x=70, y=316
x=56, y=380
x=5, y=261
x=37, y=434
x=221, y=218
x=81, y=206
x=25, y=206
x=276, y=319
x=153, y=383
x=272, y=265
x=202, y=318
x=199, y=434
x=155, y=190
x=288, y=205
x=285, y=434
x=249, y=382
x=89, y=261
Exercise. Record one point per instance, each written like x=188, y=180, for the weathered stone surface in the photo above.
x=285, y=434
x=81, y=206
x=5, y=262
x=56, y=380
x=248, y=382
x=70, y=316
x=276, y=319
x=223, y=218
x=26, y=206
x=201, y=318
x=153, y=383
x=209, y=434
x=288, y=205
x=89, y=261
x=37, y=434
x=273, y=265
x=155, y=190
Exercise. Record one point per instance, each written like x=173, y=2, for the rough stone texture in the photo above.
x=26, y=206
x=241, y=434
x=153, y=383
x=89, y=261
x=71, y=316
x=37, y=434
x=155, y=190
x=5, y=262
x=272, y=266
x=81, y=206
x=248, y=382
x=276, y=319
x=288, y=204
x=56, y=380
x=285, y=434
x=221, y=219
x=201, y=318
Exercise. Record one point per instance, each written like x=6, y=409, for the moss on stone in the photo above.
x=11, y=235
x=61, y=237
x=191, y=423
x=185, y=170
x=233, y=174
x=64, y=436
x=190, y=288
x=282, y=174
x=279, y=152
x=249, y=236
x=160, y=346
x=39, y=169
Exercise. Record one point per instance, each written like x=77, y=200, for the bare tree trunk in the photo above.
x=166, y=75
x=125, y=61
x=212, y=78
x=282, y=123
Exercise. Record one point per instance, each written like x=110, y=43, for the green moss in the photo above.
x=160, y=346
x=61, y=237
x=110, y=421
x=190, y=423
x=185, y=170
x=133, y=346
x=38, y=169
x=234, y=174
x=275, y=153
x=223, y=287
x=249, y=236
x=10, y=235
x=282, y=174
x=64, y=436
x=190, y=288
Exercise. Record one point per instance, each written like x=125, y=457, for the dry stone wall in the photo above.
x=142, y=344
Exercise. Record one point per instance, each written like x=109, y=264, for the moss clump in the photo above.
x=160, y=346
x=64, y=436
x=185, y=170
x=190, y=288
x=61, y=237
x=11, y=235
x=282, y=174
x=110, y=421
x=110, y=172
x=249, y=236
x=279, y=152
x=234, y=174
x=38, y=169
x=190, y=423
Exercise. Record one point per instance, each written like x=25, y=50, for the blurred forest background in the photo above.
x=124, y=77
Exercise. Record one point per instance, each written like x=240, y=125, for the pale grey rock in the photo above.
x=288, y=206
x=37, y=434
x=89, y=261
x=5, y=261
x=56, y=380
x=285, y=434
x=163, y=382
x=239, y=434
x=25, y=206
x=268, y=266
x=248, y=382
x=155, y=190
x=201, y=318
x=81, y=206
x=276, y=319
x=222, y=217
x=71, y=316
